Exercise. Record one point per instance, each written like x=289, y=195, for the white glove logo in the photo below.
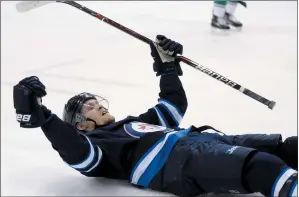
x=23, y=118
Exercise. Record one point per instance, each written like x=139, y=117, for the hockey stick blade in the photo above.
x=25, y=6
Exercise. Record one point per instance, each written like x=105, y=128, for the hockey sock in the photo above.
x=230, y=7
x=269, y=175
x=223, y=3
x=285, y=184
x=219, y=8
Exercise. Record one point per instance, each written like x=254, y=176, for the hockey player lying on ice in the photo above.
x=150, y=150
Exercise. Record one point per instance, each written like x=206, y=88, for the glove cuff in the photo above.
x=167, y=68
x=46, y=111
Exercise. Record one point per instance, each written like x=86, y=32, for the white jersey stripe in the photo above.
x=88, y=160
x=280, y=181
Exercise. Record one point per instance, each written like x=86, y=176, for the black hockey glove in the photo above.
x=164, y=52
x=27, y=96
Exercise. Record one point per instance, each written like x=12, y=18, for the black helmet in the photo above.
x=72, y=109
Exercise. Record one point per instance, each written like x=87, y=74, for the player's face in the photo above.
x=96, y=111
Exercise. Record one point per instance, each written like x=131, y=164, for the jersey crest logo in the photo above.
x=137, y=129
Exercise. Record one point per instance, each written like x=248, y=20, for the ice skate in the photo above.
x=231, y=20
x=219, y=22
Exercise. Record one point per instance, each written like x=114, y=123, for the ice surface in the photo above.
x=72, y=52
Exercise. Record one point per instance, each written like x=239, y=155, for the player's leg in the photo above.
x=219, y=20
x=224, y=168
x=230, y=10
x=269, y=175
x=287, y=149
x=200, y=164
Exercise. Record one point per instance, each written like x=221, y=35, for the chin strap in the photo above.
x=95, y=124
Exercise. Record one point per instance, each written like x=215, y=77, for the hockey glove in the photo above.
x=164, y=52
x=27, y=96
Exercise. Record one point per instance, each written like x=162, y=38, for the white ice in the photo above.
x=72, y=52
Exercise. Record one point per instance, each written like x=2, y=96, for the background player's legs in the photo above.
x=218, y=19
x=230, y=9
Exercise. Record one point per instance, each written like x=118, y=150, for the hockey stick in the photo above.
x=29, y=5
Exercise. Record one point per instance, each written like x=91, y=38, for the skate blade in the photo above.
x=219, y=32
x=236, y=29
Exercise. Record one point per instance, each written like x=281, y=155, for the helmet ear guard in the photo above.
x=80, y=118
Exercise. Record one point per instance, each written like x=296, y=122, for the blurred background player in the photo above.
x=223, y=14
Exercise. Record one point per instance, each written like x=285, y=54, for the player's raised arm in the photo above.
x=75, y=149
x=172, y=102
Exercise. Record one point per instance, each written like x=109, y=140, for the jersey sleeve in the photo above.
x=77, y=150
x=172, y=103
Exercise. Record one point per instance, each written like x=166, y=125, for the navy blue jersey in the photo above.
x=134, y=148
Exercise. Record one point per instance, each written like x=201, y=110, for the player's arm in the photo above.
x=75, y=149
x=172, y=103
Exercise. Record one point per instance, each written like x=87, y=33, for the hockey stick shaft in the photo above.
x=187, y=61
x=195, y=65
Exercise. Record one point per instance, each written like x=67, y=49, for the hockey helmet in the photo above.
x=73, y=108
